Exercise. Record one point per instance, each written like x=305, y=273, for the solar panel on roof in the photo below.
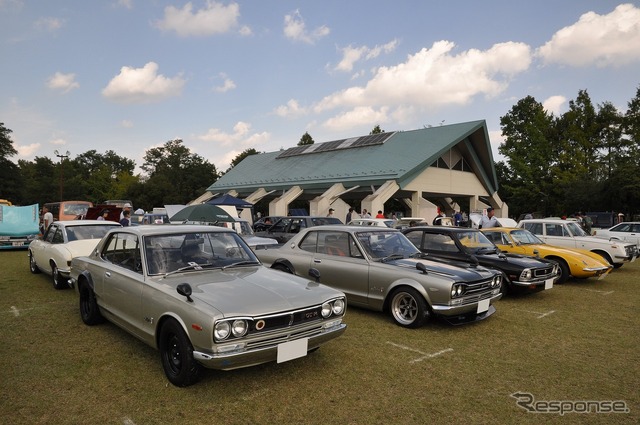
x=354, y=142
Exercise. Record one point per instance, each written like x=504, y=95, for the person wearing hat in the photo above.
x=125, y=207
x=488, y=220
x=331, y=210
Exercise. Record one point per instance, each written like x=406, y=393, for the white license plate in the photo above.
x=548, y=284
x=292, y=350
x=17, y=243
x=483, y=305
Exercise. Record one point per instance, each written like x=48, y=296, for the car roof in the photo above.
x=168, y=229
x=441, y=229
x=546, y=220
x=87, y=222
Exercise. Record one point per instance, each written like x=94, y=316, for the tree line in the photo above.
x=586, y=159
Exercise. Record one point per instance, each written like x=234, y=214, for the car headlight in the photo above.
x=222, y=330
x=457, y=290
x=497, y=280
x=526, y=274
x=239, y=328
x=338, y=307
x=326, y=309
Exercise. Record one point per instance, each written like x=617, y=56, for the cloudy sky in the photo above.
x=225, y=76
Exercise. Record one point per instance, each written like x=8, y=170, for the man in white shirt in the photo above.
x=488, y=220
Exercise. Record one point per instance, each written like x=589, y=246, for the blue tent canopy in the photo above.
x=227, y=199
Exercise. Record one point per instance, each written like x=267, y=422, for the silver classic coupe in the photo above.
x=380, y=269
x=200, y=296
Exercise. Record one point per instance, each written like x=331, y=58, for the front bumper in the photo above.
x=535, y=286
x=465, y=313
x=264, y=354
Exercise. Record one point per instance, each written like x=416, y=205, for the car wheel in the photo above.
x=176, y=353
x=58, y=280
x=563, y=271
x=606, y=257
x=409, y=308
x=617, y=265
x=33, y=267
x=89, y=310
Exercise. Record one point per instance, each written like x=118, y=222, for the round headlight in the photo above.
x=326, y=310
x=496, y=281
x=239, y=328
x=526, y=274
x=460, y=289
x=454, y=290
x=338, y=307
x=222, y=330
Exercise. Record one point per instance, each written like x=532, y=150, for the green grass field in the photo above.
x=576, y=342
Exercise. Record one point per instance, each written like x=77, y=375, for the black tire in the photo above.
x=57, y=279
x=33, y=268
x=564, y=271
x=89, y=310
x=617, y=265
x=176, y=353
x=408, y=308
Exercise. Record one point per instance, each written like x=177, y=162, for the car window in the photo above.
x=321, y=221
x=339, y=244
x=525, y=237
x=635, y=228
x=439, y=242
x=297, y=224
x=88, y=232
x=535, y=228
x=48, y=236
x=280, y=225
x=380, y=245
x=58, y=237
x=123, y=250
x=415, y=237
x=309, y=242
x=554, y=229
x=624, y=227
x=575, y=229
x=497, y=237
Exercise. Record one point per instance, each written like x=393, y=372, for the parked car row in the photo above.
x=202, y=297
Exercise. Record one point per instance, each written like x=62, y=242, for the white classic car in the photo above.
x=569, y=234
x=61, y=242
x=627, y=232
x=380, y=222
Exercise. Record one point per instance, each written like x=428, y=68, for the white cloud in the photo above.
x=128, y=4
x=26, y=151
x=553, y=104
x=436, y=77
x=214, y=18
x=295, y=29
x=49, y=24
x=603, y=40
x=362, y=115
x=245, y=31
x=227, y=84
x=241, y=135
x=63, y=82
x=291, y=109
x=126, y=123
x=142, y=85
x=350, y=55
x=58, y=142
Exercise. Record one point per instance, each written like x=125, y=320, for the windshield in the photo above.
x=384, y=245
x=96, y=231
x=475, y=241
x=194, y=251
x=575, y=229
x=525, y=237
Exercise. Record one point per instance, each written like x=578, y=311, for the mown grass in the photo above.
x=578, y=341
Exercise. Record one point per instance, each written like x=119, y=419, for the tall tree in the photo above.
x=10, y=176
x=306, y=139
x=376, y=130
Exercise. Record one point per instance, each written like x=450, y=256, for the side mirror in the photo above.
x=315, y=273
x=420, y=266
x=184, y=289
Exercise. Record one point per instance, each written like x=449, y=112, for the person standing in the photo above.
x=488, y=220
x=349, y=214
x=331, y=210
x=125, y=220
x=104, y=215
x=379, y=215
x=47, y=219
x=457, y=218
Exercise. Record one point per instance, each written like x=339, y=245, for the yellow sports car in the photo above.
x=574, y=262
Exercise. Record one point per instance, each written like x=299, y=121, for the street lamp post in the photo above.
x=62, y=157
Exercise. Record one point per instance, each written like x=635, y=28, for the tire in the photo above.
x=89, y=310
x=58, y=280
x=33, y=268
x=409, y=308
x=564, y=271
x=617, y=265
x=176, y=354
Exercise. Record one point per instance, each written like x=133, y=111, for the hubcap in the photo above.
x=405, y=308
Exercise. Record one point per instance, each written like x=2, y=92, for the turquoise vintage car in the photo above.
x=18, y=226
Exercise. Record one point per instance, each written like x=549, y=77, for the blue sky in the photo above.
x=129, y=75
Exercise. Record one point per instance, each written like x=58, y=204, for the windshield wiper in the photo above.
x=242, y=263
x=391, y=257
x=419, y=255
x=190, y=266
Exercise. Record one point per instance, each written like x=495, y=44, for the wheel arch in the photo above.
x=284, y=263
x=405, y=283
x=164, y=319
x=604, y=254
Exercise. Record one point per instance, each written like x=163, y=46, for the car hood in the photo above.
x=516, y=259
x=254, y=290
x=593, y=240
x=586, y=256
x=463, y=271
x=254, y=241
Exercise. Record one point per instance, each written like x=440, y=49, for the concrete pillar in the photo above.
x=330, y=199
x=375, y=202
x=280, y=205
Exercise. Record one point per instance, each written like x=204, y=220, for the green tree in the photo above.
x=174, y=175
x=306, y=139
x=376, y=130
x=242, y=155
x=11, y=181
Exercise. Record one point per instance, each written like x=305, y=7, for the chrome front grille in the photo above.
x=544, y=272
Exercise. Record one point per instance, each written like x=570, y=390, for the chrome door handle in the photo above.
x=107, y=274
x=317, y=261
